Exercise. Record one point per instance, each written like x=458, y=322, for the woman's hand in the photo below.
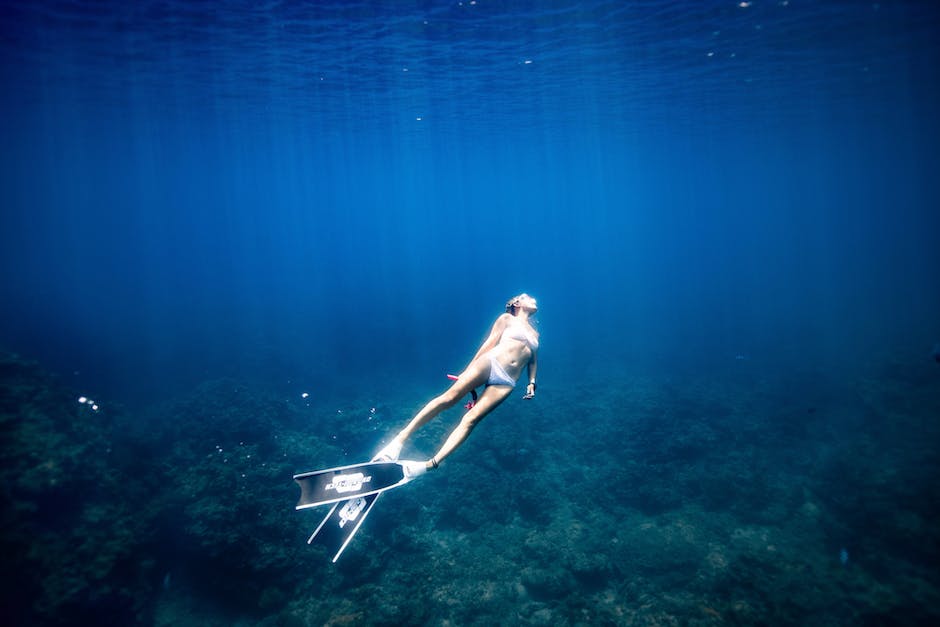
x=529, y=392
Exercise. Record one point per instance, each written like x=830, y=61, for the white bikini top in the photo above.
x=517, y=330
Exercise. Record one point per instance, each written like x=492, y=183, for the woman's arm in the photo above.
x=530, y=388
x=493, y=339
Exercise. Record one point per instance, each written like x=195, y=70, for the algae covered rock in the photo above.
x=69, y=546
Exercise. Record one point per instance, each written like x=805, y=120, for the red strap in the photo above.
x=473, y=393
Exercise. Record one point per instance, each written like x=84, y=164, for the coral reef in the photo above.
x=694, y=500
x=72, y=549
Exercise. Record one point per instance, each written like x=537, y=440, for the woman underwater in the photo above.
x=511, y=346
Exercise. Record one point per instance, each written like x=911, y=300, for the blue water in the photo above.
x=362, y=185
x=338, y=197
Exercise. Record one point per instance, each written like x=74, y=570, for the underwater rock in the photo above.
x=90, y=538
x=70, y=548
x=547, y=585
x=592, y=570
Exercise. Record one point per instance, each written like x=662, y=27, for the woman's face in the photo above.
x=528, y=303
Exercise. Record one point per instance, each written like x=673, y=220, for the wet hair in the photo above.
x=512, y=305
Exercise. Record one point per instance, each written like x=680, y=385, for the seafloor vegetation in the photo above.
x=736, y=497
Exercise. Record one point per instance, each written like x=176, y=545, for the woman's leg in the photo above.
x=471, y=378
x=492, y=396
